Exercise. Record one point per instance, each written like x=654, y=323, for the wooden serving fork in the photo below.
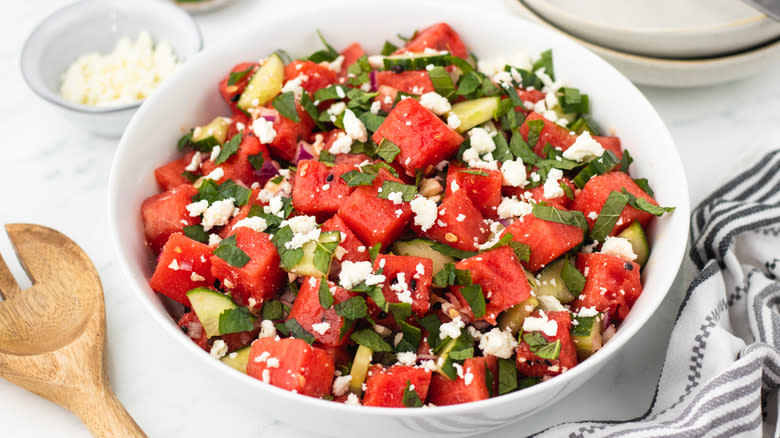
x=52, y=335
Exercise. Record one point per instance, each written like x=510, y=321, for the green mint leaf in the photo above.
x=584, y=325
x=297, y=331
x=236, y=321
x=476, y=299
x=411, y=337
x=534, y=131
x=545, y=61
x=228, y=149
x=599, y=166
x=330, y=93
x=609, y=215
x=373, y=252
x=273, y=310
x=355, y=178
x=507, y=376
x=520, y=149
x=452, y=252
x=375, y=293
x=431, y=324
x=572, y=278
x=196, y=232
x=534, y=340
x=463, y=348
x=327, y=158
x=370, y=339
x=550, y=351
x=655, y=210
x=229, y=189
x=449, y=275
x=644, y=185
x=371, y=121
x=474, y=172
x=387, y=150
x=527, y=382
x=189, y=176
x=400, y=311
x=285, y=104
x=185, y=140
x=489, y=379
x=626, y=161
x=442, y=82
x=236, y=77
x=411, y=399
x=388, y=48
x=232, y=254
x=469, y=83
x=311, y=110
x=353, y=308
x=326, y=298
x=408, y=192
x=553, y=214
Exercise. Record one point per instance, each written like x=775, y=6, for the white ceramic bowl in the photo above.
x=95, y=26
x=190, y=97
x=662, y=28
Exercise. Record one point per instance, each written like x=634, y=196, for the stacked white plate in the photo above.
x=673, y=43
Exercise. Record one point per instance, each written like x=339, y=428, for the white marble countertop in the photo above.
x=55, y=174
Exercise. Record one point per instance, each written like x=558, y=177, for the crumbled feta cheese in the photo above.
x=336, y=108
x=396, y=197
x=408, y=358
x=197, y=277
x=352, y=399
x=513, y=172
x=352, y=273
x=586, y=312
x=419, y=270
x=320, y=327
x=194, y=165
x=295, y=85
x=435, y=102
x=584, y=148
x=552, y=185
x=272, y=362
x=341, y=385
x=468, y=377
x=503, y=78
x=512, y=207
x=499, y=343
x=304, y=230
x=542, y=324
x=336, y=64
x=461, y=217
x=481, y=141
x=215, y=152
x=593, y=215
x=215, y=174
x=214, y=240
x=619, y=247
x=342, y=145
x=451, y=329
x=218, y=213
x=354, y=127
x=424, y=212
x=264, y=130
x=255, y=223
x=375, y=107
x=197, y=208
x=454, y=186
x=174, y=265
x=453, y=121
x=219, y=349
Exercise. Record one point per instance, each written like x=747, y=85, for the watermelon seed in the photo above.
x=329, y=178
x=628, y=266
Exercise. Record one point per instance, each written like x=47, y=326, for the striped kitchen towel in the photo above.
x=722, y=367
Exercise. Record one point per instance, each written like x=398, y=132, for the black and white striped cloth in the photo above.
x=722, y=369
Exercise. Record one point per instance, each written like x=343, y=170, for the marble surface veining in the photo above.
x=55, y=174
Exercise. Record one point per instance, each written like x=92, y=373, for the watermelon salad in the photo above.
x=412, y=228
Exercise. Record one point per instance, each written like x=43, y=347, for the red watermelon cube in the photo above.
x=530, y=364
x=319, y=189
x=502, y=278
x=459, y=223
x=385, y=386
x=612, y=285
x=229, y=92
x=183, y=265
x=260, y=278
x=406, y=276
x=166, y=213
x=316, y=75
x=471, y=386
x=291, y=364
x=324, y=324
x=424, y=139
x=546, y=240
x=170, y=175
x=439, y=36
x=412, y=82
x=238, y=167
x=354, y=249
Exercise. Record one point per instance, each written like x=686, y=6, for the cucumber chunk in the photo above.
x=359, y=369
x=208, y=305
x=415, y=61
x=514, y=317
x=474, y=112
x=307, y=266
x=549, y=282
x=212, y=134
x=238, y=359
x=586, y=335
x=636, y=235
x=265, y=84
x=421, y=248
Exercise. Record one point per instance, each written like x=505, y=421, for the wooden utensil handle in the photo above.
x=105, y=417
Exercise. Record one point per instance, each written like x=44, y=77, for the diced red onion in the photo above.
x=372, y=77
x=305, y=152
x=269, y=170
x=505, y=222
x=270, y=118
x=605, y=321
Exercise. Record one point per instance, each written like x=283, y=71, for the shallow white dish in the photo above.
x=190, y=97
x=671, y=72
x=91, y=26
x=662, y=28
x=201, y=6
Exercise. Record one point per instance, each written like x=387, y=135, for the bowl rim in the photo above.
x=26, y=60
x=558, y=383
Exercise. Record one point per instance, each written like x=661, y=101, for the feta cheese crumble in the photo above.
x=354, y=127
x=513, y=172
x=499, y=343
x=584, y=148
x=255, y=223
x=353, y=273
x=451, y=329
x=512, y=207
x=542, y=324
x=424, y=211
x=552, y=185
x=481, y=141
x=218, y=213
x=435, y=102
x=264, y=130
x=619, y=247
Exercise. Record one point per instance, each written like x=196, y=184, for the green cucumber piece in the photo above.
x=474, y=112
x=237, y=359
x=549, y=282
x=208, y=305
x=636, y=235
x=514, y=317
x=416, y=61
x=359, y=369
x=264, y=85
x=598, y=166
x=212, y=134
x=586, y=335
x=421, y=248
x=307, y=267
